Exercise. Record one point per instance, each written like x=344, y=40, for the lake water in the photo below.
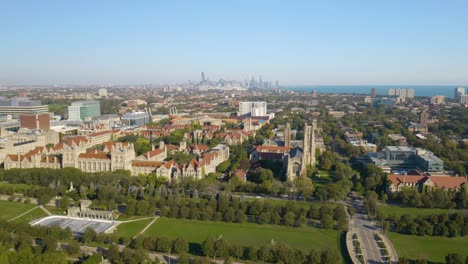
x=419, y=90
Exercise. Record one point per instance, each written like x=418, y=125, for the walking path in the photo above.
x=146, y=227
x=16, y=217
x=45, y=210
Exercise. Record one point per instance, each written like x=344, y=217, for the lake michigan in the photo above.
x=419, y=90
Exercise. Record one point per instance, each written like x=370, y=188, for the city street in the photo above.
x=365, y=229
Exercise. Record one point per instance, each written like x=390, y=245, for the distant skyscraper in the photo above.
x=203, y=80
x=410, y=93
x=404, y=93
x=277, y=85
x=373, y=92
x=459, y=91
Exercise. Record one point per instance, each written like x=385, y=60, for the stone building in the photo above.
x=298, y=159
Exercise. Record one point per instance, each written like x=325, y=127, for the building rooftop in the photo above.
x=399, y=148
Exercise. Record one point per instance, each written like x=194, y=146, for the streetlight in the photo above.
x=219, y=237
x=169, y=255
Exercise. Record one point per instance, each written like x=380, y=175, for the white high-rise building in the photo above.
x=253, y=108
x=405, y=93
x=459, y=92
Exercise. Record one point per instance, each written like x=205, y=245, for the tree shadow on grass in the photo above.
x=195, y=249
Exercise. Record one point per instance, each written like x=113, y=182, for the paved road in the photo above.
x=365, y=230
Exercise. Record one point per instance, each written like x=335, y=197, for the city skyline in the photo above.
x=299, y=43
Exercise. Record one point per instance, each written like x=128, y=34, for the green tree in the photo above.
x=89, y=235
x=113, y=253
x=327, y=221
x=180, y=245
x=163, y=244
x=289, y=219
x=208, y=246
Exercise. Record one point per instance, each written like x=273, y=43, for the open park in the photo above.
x=430, y=248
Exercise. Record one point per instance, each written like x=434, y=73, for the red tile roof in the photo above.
x=94, y=156
x=274, y=149
x=153, y=153
x=397, y=179
x=447, y=182
x=140, y=163
x=100, y=133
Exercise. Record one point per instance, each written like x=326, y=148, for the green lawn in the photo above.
x=10, y=210
x=33, y=215
x=389, y=210
x=195, y=231
x=430, y=248
x=130, y=229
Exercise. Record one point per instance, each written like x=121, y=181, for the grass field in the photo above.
x=10, y=210
x=389, y=210
x=430, y=248
x=130, y=229
x=247, y=234
x=33, y=215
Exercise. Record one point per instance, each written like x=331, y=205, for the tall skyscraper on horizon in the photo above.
x=203, y=80
x=459, y=92
x=373, y=92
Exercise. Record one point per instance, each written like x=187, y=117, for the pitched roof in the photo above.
x=75, y=140
x=100, y=155
x=273, y=149
x=447, y=182
x=398, y=179
x=141, y=163
x=153, y=153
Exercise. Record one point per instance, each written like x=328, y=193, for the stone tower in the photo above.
x=122, y=155
x=308, y=157
x=248, y=124
x=287, y=135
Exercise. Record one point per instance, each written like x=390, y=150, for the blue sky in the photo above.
x=295, y=42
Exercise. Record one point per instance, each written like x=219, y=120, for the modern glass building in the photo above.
x=81, y=110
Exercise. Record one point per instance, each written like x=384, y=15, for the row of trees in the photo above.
x=213, y=247
x=437, y=198
x=233, y=209
x=450, y=225
x=451, y=258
